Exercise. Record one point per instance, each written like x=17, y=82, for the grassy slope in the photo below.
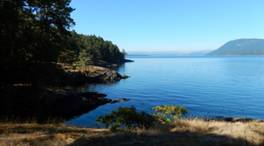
x=193, y=132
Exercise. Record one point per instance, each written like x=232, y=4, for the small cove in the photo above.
x=207, y=86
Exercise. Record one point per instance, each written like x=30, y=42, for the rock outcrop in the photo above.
x=91, y=74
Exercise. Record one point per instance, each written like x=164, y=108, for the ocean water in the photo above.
x=206, y=86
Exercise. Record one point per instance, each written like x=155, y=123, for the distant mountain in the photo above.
x=241, y=47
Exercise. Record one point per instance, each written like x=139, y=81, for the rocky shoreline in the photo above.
x=26, y=103
x=90, y=74
x=48, y=98
x=232, y=119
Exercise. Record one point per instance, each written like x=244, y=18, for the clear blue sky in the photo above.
x=170, y=25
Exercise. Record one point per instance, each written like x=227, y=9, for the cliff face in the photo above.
x=241, y=47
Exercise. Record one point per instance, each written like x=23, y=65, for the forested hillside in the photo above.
x=241, y=47
x=35, y=35
x=90, y=49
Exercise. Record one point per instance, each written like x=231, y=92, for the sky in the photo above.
x=169, y=25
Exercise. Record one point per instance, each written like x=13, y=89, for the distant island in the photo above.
x=241, y=47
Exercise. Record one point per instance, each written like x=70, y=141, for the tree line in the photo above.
x=39, y=31
x=36, y=35
x=90, y=49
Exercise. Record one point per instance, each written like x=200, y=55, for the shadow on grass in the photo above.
x=160, y=139
x=33, y=128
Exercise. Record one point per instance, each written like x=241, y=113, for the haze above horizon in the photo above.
x=170, y=25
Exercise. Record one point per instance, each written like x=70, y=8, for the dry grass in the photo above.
x=44, y=135
x=87, y=69
x=193, y=132
x=252, y=131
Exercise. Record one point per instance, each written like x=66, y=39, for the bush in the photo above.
x=128, y=118
x=169, y=113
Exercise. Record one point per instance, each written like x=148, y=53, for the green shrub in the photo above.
x=169, y=113
x=128, y=118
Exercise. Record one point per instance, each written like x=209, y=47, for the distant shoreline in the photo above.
x=200, y=56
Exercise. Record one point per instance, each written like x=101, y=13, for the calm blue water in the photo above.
x=230, y=86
